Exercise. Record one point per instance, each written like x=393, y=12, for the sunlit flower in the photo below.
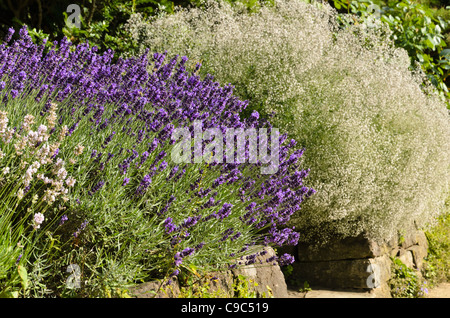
x=70, y=181
x=78, y=150
x=38, y=219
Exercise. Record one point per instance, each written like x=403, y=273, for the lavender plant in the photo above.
x=377, y=144
x=107, y=193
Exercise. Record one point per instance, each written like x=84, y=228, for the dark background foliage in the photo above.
x=101, y=20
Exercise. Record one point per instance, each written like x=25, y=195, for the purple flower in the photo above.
x=14, y=93
x=97, y=187
x=144, y=185
x=169, y=226
x=125, y=181
x=144, y=157
x=9, y=35
x=64, y=218
x=187, y=252
x=81, y=228
x=178, y=259
x=285, y=259
x=55, y=154
x=108, y=140
x=72, y=129
x=199, y=246
x=224, y=211
x=190, y=221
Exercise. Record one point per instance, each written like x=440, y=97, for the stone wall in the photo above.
x=357, y=263
x=263, y=280
x=348, y=264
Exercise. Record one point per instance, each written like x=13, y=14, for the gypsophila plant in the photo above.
x=104, y=131
x=378, y=145
x=414, y=28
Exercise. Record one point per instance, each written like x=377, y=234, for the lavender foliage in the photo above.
x=129, y=110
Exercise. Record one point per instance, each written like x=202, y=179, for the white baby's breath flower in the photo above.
x=5, y=170
x=35, y=165
x=43, y=154
x=33, y=138
x=23, y=164
x=42, y=131
x=58, y=185
x=20, y=194
x=47, y=180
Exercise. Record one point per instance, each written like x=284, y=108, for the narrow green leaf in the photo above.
x=23, y=276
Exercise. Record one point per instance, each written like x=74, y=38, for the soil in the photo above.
x=440, y=291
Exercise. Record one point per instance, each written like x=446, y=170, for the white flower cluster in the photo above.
x=37, y=220
x=34, y=146
x=378, y=147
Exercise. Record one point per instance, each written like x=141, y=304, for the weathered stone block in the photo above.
x=356, y=273
x=221, y=283
x=265, y=275
x=407, y=258
x=347, y=248
x=418, y=253
x=414, y=238
x=268, y=280
x=156, y=289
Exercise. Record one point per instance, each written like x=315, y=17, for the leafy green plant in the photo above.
x=306, y=288
x=406, y=282
x=195, y=283
x=244, y=287
x=101, y=21
x=437, y=262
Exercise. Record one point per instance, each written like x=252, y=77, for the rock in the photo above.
x=365, y=273
x=407, y=258
x=269, y=278
x=347, y=248
x=422, y=239
x=418, y=253
x=220, y=284
x=414, y=238
x=394, y=252
x=383, y=291
x=358, y=263
x=265, y=279
x=156, y=289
